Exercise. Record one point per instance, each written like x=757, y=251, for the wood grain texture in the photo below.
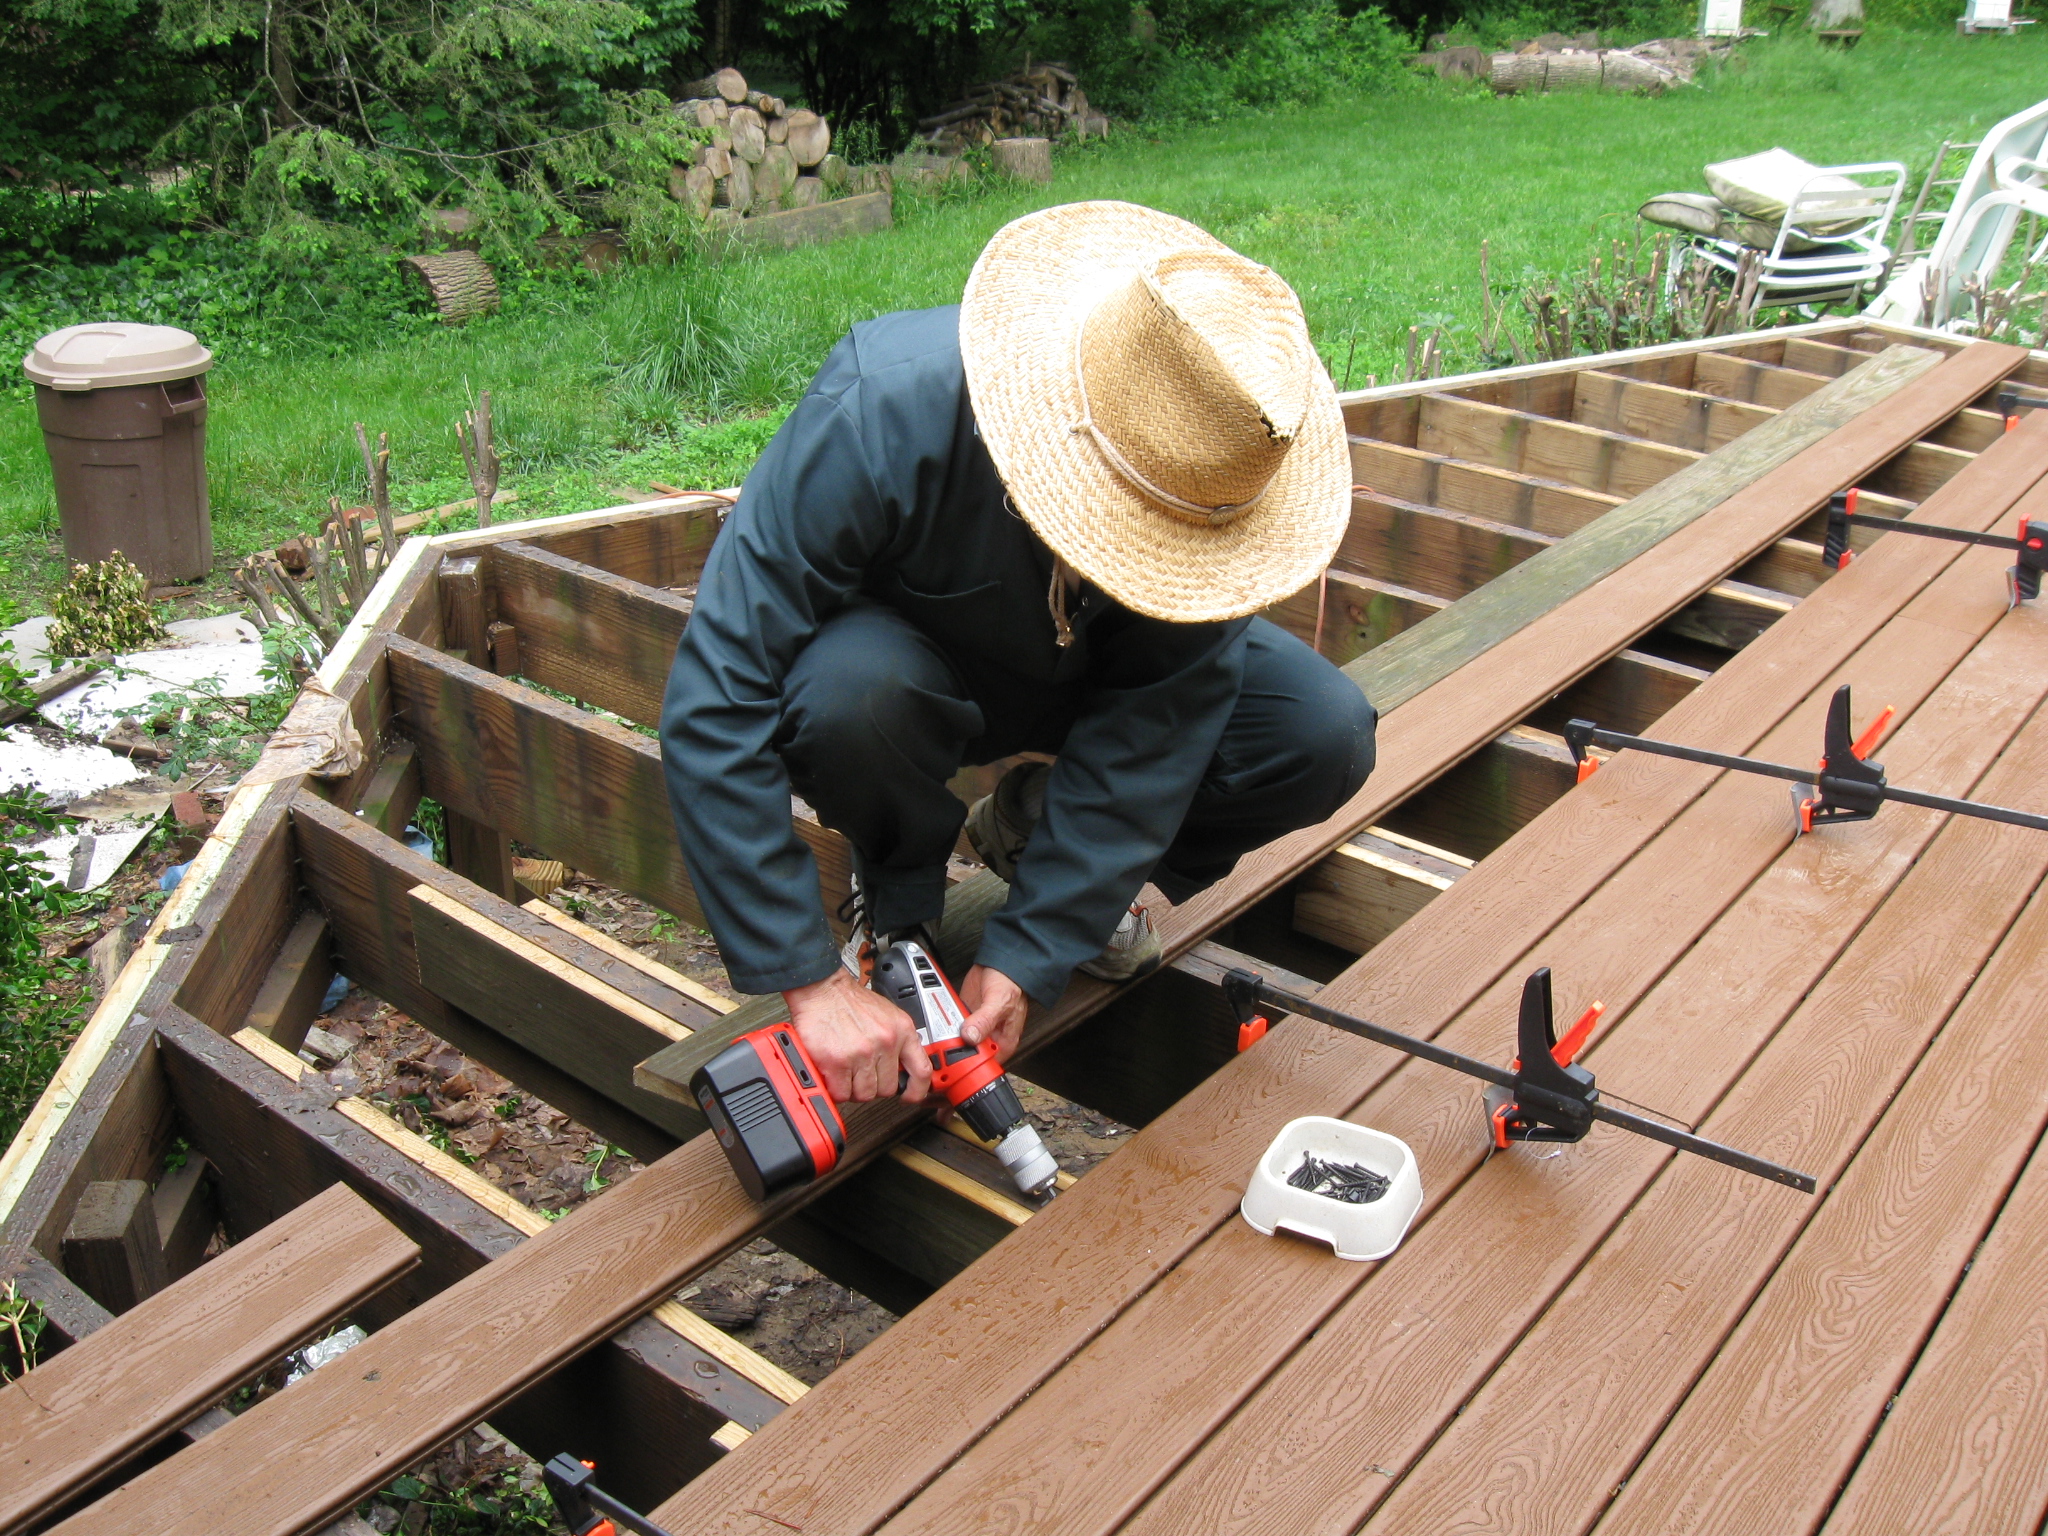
x=1681, y=418
x=1461, y=485
x=574, y=785
x=1768, y=467
x=1372, y=1387
x=152, y=1368
x=1810, y=1097
x=1964, y=1448
x=1769, y=1432
x=664, y=545
x=1546, y=447
x=822, y=1465
x=1078, y=1455
x=605, y=639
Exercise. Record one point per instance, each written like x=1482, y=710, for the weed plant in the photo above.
x=38, y=1008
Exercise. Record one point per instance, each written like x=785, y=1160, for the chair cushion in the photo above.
x=1764, y=185
x=1694, y=212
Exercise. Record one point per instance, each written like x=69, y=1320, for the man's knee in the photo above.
x=862, y=698
x=1332, y=734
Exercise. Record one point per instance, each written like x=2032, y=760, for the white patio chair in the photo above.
x=1829, y=246
x=2007, y=177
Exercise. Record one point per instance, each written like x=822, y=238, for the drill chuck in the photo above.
x=994, y=1114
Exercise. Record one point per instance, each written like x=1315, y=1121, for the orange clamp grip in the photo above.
x=1251, y=1033
x=1575, y=1041
x=1867, y=742
x=1849, y=500
x=1587, y=768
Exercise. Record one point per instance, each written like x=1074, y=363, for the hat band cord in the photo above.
x=1215, y=517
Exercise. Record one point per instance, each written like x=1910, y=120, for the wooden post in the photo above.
x=290, y=997
x=111, y=1248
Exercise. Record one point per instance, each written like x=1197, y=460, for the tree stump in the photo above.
x=776, y=173
x=736, y=191
x=808, y=192
x=832, y=171
x=1025, y=159
x=810, y=137
x=749, y=134
x=728, y=85
x=461, y=282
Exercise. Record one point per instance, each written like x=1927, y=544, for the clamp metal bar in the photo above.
x=1486, y=1071
x=1930, y=531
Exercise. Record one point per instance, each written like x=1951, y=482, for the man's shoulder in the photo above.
x=910, y=348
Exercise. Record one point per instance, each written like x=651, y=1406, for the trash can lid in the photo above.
x=103, y=354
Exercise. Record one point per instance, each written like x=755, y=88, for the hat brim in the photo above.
x=1025, y=301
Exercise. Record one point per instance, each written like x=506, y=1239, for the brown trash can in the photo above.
x=123, y=412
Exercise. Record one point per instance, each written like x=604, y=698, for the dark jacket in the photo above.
x=878, y=487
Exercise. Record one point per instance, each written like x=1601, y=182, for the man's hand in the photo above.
x=996, y=1008
x=859, y=1039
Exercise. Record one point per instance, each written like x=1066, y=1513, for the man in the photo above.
x=1035, y=523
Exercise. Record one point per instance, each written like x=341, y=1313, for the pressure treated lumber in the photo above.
x=1812, y=1095
x=1964, y=1447
x=578, y=787
x=606, y=639
x=153, y=1368
x=1070, y=1458
x=1682, y=418
x=1744, y=471
x=819, y=1464
x=1738, y=378
x=1546, y=447
x=1724, y=999
x=111, y=1247
x=663, y=545
x=1366, y=888
x=290, y=997
x=1460, y=485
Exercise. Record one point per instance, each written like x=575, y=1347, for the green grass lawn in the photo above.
x=1374, y=210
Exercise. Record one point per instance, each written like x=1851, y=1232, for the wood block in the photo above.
x=186, y=1215
x=111, y=1247
x=292, y=991
x=1368, y=887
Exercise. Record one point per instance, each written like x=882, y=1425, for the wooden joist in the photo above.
x=1545, y=446
x=1368, y=887
x=155, y=1367
x=574, y=785
x=603, y=638
x=650, y=1398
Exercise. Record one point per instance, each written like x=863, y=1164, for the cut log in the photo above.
x=461, y=283
x=778, y=130
x=715, y=158
x=726, y=84
x=702, y=113
x=810, y=137
x=776, y=173
x=692, y=188
x=832, y=171
x=768, y=106
x=1025, y=159
x=736, y=191
x=749, y=134
x=808, y=192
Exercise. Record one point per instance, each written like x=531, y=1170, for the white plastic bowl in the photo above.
x=1369, y=1231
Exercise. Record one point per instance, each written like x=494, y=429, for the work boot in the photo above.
x=863, y=945
x=1133, y=950
x=999, y=825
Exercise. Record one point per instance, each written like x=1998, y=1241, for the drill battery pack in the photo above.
x=768, y=1106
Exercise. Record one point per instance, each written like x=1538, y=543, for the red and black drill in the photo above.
x=766, y=1099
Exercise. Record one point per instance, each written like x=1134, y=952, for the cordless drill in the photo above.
x=767, y=1103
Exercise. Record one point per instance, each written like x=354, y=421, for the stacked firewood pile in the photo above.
x=1554, y=62
x=763, y=155
x=1039, y=101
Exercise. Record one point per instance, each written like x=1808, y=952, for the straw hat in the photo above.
x=1155, y=409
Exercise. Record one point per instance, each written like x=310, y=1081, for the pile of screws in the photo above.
x=1349, y=1182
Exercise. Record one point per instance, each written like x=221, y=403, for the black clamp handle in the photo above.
x=586, y=1508
x=1552, y=1099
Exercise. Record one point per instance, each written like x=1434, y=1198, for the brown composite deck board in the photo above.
x=1376, y=1387
x=1768, y=1433
x=166, y=1360
x=841, y=1457
x=1096, y=1439
x=1811, y=1097
x=1964, y=1448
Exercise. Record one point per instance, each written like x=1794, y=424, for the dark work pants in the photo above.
x=876, y=719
